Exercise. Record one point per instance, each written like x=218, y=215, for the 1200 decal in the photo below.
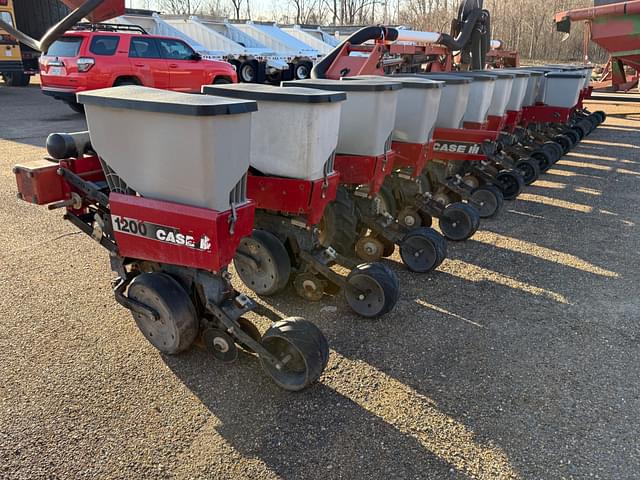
x=160, y=233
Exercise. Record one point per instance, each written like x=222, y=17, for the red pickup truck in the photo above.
x=103, y=55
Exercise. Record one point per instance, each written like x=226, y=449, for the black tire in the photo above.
x=302, y=70
x=303, y=344
x=76, y=107
x=273, y=276
x=585, y=127
x=339, y=224
x=510, y=183
x=378, y=290
x=543, y=158
x=602, y=116
x=593, y=122
x=123, y=82
x=248, y=72
x=579, y=132
x=17, y=79
x=530, y=170
x=553, y=148
x=566, y=142
x=459, y=221
x=422, y=250
x=490, y=199
x=178, y=325
x=222, y=81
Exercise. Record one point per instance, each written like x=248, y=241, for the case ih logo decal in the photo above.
x=160, y=233
x=457, y=147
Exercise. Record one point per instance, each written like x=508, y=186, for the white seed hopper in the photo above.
x=562, y=89
x=480, y=96
x=417, y=109
x=188, y=149
x=502, y=92
x=455, y=96
x=368, y=114
x=518, y=90
x=534, y=82
x=294, y=133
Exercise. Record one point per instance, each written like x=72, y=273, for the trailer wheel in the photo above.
x=490, y=200
x=459, y=221
x=423, y=250
x=373, y=290
x=530, y=170
x=510, y=183
x=177, y=326
x=302, y=70
x=16, y=79
x=339, y=224
x=249, y=71
x=268, y=268
x=302, y=350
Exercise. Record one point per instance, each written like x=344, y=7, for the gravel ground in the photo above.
x=518, y=358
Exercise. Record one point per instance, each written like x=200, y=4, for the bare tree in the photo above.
x=180, y=7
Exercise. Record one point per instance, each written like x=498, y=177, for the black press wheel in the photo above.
x=543, y=158
x=510, y=183
x=302, y=350
x=221, y=344
x=575, y=138
x=339, y=224
x=566, y=142
x=601, y=115
x=423, y=250
x=554, y=149
x=593, y=122
x=578, y=131
x=373, y=290
x=459, y=221
x=267, y=269
x=177, y=325
x=585, y=127
x=489, y=200
x=530, y=170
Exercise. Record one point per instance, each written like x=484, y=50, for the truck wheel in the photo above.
x=249, y=71
x=17, y=79
x=302, y=70
x=221, y=81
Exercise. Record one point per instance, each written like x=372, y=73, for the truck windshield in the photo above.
x=65, y=47
x=6, y=18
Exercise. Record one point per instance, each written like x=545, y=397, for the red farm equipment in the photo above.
x=616, y=28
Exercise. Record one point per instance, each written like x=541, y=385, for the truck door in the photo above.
x=186, y=70
x=147, y=63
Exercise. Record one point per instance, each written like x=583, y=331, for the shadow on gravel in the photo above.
x=324, y=433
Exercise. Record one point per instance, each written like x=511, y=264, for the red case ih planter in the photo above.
x=171, y=257
x=178, y=234
x=362, y=170
x=307, y=198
